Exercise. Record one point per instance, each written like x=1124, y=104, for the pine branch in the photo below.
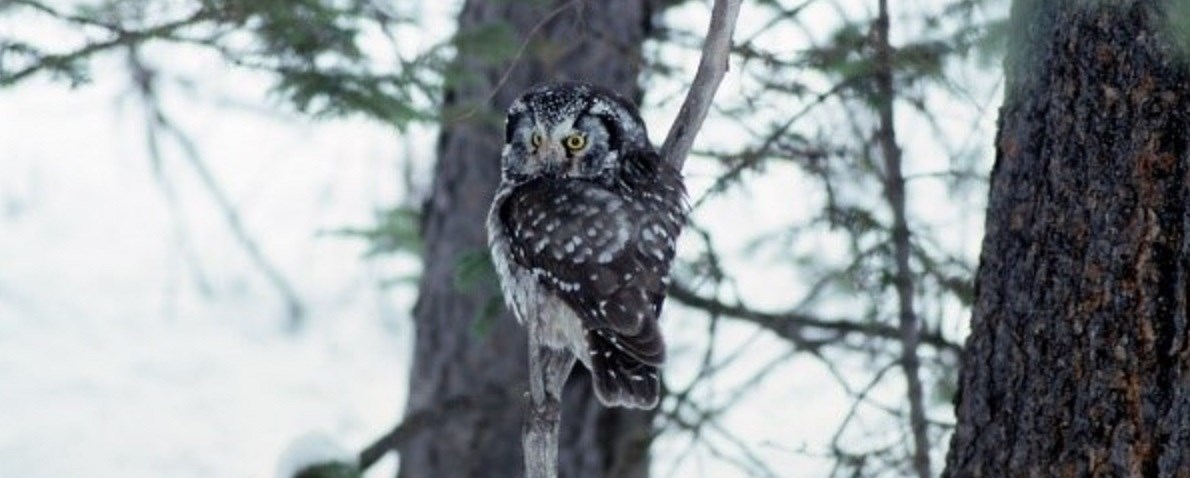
x=121, y=37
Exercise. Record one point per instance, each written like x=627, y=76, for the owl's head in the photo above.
x=570, y=130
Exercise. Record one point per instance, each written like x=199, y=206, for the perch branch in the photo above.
x=711, y=69
x=548, y=370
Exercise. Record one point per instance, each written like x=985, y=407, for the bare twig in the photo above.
x=859, y=398
x=145, y=85
x=894, y=189
x=703, y=424
x=520, y=52
x=791, y=325
x=711, y=69
x=143, y=77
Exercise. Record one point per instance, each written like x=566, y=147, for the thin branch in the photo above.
x=860, y=397
x=143, y=78
x=48, y=10
x=711, y=69
x=894, y=188
x=516, y=59
x=751, y=157
x=704, y=429
x=145, y=85
x=790, y=325
x=120, y=38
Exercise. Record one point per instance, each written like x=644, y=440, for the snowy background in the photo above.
x=138, y=339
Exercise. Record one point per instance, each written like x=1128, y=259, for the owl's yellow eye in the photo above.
x=575, y=142
x=537, y=139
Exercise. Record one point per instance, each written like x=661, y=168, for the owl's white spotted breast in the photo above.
x=556, y=323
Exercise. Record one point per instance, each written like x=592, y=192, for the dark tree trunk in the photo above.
x=1078, y=363
x=460, y=351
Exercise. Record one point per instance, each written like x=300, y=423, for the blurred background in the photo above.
x=212, y=225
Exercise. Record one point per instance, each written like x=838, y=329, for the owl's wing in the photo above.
x=607, y=256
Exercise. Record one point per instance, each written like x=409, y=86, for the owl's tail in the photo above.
x=620, y=379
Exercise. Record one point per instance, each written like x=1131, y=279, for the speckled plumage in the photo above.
x=582, y=239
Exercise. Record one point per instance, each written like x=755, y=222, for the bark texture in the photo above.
x=1078, y=363
x=461, y=350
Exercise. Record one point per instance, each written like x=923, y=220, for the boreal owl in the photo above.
x=582, y=232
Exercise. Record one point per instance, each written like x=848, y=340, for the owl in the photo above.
x=582, y=232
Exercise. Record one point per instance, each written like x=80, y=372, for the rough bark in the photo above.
x=1078, y=363
x=458, y=350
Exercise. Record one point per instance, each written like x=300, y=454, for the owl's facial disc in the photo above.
x=561, y=151
x=569, y=131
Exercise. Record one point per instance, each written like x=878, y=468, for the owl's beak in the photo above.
x=553, y=159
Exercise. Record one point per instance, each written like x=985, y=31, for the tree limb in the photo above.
x=790, y=325
x=119, y=38
x=548, y=371
x=894, y=189
x=711, y=68
x=146, y=88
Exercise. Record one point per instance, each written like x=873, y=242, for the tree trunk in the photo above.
x=463, y=348
x=1078, y=363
